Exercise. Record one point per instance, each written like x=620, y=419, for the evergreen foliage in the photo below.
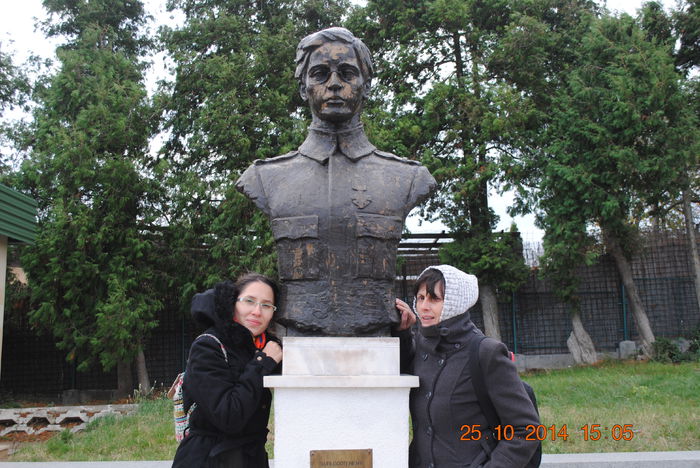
x=12, y=81
x=90, y=268
x=436, y=101
x=614, y=142
x=14, y=87
x=233, y=100
x=687, y=23
x=582, y=113
x=460, y=85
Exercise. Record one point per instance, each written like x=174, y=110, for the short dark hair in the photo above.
x=430, y=278
x=314, y=41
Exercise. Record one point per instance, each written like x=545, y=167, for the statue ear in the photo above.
x=366, y=87
x=302, y=92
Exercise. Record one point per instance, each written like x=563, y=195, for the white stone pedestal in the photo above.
x=341, y=394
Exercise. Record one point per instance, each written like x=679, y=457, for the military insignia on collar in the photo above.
x=361, y=198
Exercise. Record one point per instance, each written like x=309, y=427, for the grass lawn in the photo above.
x=660, y=402
x=146, y=435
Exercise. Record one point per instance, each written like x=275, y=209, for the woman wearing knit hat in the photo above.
x=449, y=427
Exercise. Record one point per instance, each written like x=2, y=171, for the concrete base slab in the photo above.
x=333, y=418
x=524, y=362
x=341, y=394
x=340, y=356
x=627, y=349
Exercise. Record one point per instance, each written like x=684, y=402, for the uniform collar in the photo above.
x=321, y=144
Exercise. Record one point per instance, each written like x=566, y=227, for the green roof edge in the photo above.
x=17, y=216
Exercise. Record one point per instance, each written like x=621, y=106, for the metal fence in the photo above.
x=532, y=320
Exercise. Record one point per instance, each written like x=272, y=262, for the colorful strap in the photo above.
x=221, y=345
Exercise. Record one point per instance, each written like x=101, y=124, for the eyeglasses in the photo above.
x=250, y=302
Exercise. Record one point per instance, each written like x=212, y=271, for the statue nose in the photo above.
x=334, y=81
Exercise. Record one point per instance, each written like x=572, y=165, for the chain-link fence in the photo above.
x=532, y=320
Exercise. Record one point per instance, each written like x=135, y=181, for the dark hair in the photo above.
x=249, y=278
x=430, y=278
x=314, y=41
x=226, y=293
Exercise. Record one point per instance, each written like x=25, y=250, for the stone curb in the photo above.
x=686, y=459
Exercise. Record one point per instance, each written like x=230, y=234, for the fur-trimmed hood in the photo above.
x=214, y=309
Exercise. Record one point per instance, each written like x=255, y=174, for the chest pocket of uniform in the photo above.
x=377, y=239
x=297, y=247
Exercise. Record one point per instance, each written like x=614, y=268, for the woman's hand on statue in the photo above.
x=408, y=318
x=274, y=350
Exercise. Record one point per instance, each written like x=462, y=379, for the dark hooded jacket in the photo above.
x=228, y=427
x=444, y=408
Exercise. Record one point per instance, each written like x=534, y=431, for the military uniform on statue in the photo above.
x=337, y=207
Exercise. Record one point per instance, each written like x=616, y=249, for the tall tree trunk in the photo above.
x=692, y=241
x=489, y=309
x=641, y=319
x=142, y=372
x=125, y=382
x=580, y=343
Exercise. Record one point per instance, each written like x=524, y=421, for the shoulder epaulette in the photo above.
x=393, y=157
x=283, y=157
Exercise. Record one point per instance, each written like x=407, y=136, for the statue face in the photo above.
x=334, y=83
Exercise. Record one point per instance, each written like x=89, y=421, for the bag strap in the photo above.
x=477, y=376
x=221, y=345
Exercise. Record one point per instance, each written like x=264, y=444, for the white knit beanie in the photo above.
x=461, y=291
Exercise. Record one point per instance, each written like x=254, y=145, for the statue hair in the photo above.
x=313, y=41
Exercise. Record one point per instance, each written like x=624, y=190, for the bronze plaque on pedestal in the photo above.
x=341, y=458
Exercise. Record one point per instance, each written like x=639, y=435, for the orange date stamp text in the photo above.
x=541, y=432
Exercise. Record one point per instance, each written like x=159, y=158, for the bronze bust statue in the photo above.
x=337, y=205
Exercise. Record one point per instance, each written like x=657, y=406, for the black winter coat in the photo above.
x=445, y=402
x=228, y=427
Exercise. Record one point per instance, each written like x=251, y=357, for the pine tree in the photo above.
x=14, y=87
x=612, y=149
x=234, y=99
x=444, y=96
x=89, y=269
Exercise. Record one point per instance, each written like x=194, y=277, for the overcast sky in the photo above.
x=18, y=36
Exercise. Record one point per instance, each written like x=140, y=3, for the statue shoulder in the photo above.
x=393, y=157
x=276, y=159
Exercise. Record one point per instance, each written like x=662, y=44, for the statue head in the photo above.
x=334, y=69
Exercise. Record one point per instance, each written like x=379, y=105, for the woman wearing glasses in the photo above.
x=228, y=426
